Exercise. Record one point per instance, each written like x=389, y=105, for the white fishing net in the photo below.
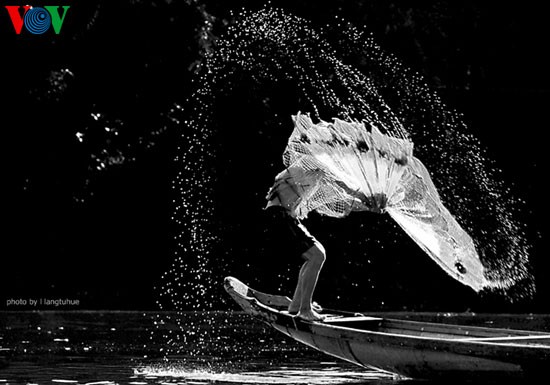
x=341, y=161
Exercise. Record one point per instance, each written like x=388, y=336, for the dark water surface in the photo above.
x=94, y=347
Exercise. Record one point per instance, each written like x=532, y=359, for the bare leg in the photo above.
x=307, y=280
x=294, y=306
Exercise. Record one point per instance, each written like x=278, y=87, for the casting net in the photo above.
x=341, y=161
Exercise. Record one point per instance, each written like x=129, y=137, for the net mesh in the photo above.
x=340, y=161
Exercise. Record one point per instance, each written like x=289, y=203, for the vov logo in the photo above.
x=37, y=20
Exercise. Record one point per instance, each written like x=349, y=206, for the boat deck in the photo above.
x=442, y=331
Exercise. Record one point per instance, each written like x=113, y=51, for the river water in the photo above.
x=100, y=347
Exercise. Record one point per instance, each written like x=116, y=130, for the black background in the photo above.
x=73, y=228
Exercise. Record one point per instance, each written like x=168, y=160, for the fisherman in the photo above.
x=290, y=187
x=340, y=167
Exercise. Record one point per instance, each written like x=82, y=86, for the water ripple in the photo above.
x=283, y=375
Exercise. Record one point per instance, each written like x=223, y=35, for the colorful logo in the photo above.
x=37, y=20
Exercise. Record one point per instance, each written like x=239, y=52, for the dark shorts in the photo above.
x=286, y=233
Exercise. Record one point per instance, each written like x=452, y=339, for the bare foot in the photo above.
x=294, y=309
x=316, y=307
x=311, y=315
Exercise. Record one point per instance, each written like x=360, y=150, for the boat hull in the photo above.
x=423, y=362
x=407, y=348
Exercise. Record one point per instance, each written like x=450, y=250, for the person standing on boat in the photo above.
x=339, y=167
x=284, y=197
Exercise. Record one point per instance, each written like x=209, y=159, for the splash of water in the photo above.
x=321, y=376
x=335, y=71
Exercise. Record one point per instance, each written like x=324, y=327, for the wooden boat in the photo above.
x=411, y=349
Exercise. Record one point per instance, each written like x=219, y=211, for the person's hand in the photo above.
x=379, y=202
x=375, y=203
x=360, y=205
